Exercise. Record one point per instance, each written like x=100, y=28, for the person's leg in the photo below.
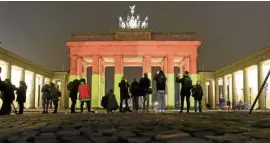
x=159, y=100
x=121, y=104
x=126, y=103
x=200, y=105
x=136, y=99
x=188, y=102
x=147, y=102
x=20, y=107
x=195, y=105
x=144, y=102
x=72, y=108
x=82, y=102
x=162, y=94
x=182, y=103
x=88, y=106
x=55, y=104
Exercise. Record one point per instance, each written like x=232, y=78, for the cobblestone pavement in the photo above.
x=136, y=128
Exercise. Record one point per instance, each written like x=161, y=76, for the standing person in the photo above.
x=161, y=79
x=45, y=97
x=73, y=93
x=124, y=94
x=134, y=90
x=197, y=93
x=21, y=96
x=84, y=94
x=145, y=84
x=186, y=83
x=8, y=96
x=55, y=94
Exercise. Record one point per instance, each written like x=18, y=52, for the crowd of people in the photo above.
x=135, y=90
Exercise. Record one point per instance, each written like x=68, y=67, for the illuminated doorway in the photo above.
x=252, y=84
x=29, y=78
x=38, y=87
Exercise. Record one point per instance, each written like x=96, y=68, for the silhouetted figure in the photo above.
x=124, y=94
x=46, y=94
x=8, y=96
x=197, y=93
x=186, y=83
x=21, y=96
x=135, y=93
x=160, y=79
x=73, y=92
x=84, y=93
x=55, y=94
x=111, y=104
x=145, y=84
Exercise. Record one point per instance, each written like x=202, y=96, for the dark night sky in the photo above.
x=228, y=30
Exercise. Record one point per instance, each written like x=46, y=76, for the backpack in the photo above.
x=188, y=83
x=104, y=102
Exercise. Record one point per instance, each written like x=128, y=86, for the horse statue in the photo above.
x=145, y=23
x=132, y=9
x=121, y=23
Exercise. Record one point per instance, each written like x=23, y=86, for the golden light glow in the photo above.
x=4, y=66
x=253, y=84
x=265, y=68
x=239, y=85
x=29, y=82
x=16, y=74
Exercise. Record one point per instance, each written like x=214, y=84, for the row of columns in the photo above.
x=214, y=92
x=98, y=77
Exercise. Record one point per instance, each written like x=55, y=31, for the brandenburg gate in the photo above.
x=133, y=44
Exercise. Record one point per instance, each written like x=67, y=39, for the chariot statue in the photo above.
x=133, y=22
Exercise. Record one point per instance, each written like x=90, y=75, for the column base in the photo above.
x=262, y=108
x=32, y=107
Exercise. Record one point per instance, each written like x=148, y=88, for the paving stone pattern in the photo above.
x=216, y=127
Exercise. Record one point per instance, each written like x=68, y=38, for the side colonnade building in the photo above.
x=239, y=81
x=19, y=69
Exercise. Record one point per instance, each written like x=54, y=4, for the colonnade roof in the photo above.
x=252, y=59
x=133, y=35
x=19, y=61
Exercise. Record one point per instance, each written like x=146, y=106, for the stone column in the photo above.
x=41, y=85
x=217, y=93
x=170, y=82
x=73, y=68
x=262, y=99
x=225, y=90
x=23, y=75
x=211, y=93
x=95, y=82
x=102, y=78
x=32, y=95
x=192, y=66
x=118, y=74
x=147, y=68
x=246, y=85
x=9, y=70
x=79, y=68
x=234, y=91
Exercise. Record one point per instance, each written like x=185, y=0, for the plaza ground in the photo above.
x=170, y=127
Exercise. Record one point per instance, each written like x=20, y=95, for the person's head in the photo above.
x=111, y=90
x=52, y=84
x=134, y=79
x=123, y=78
x=7, y=81
x=82, y=81
x=161, y=72
x=186, y=73
x=145, y=74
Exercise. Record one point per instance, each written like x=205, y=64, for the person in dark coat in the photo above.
x=197, y=93
x=8, y=96
x=73, y=93
x=135, y=92
x=161, y=79
x=111, y=103
x=145, y=84
x=21, y=96
x=55, y=94
x=186, y=87
x=124, y=94
x=45, y=97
